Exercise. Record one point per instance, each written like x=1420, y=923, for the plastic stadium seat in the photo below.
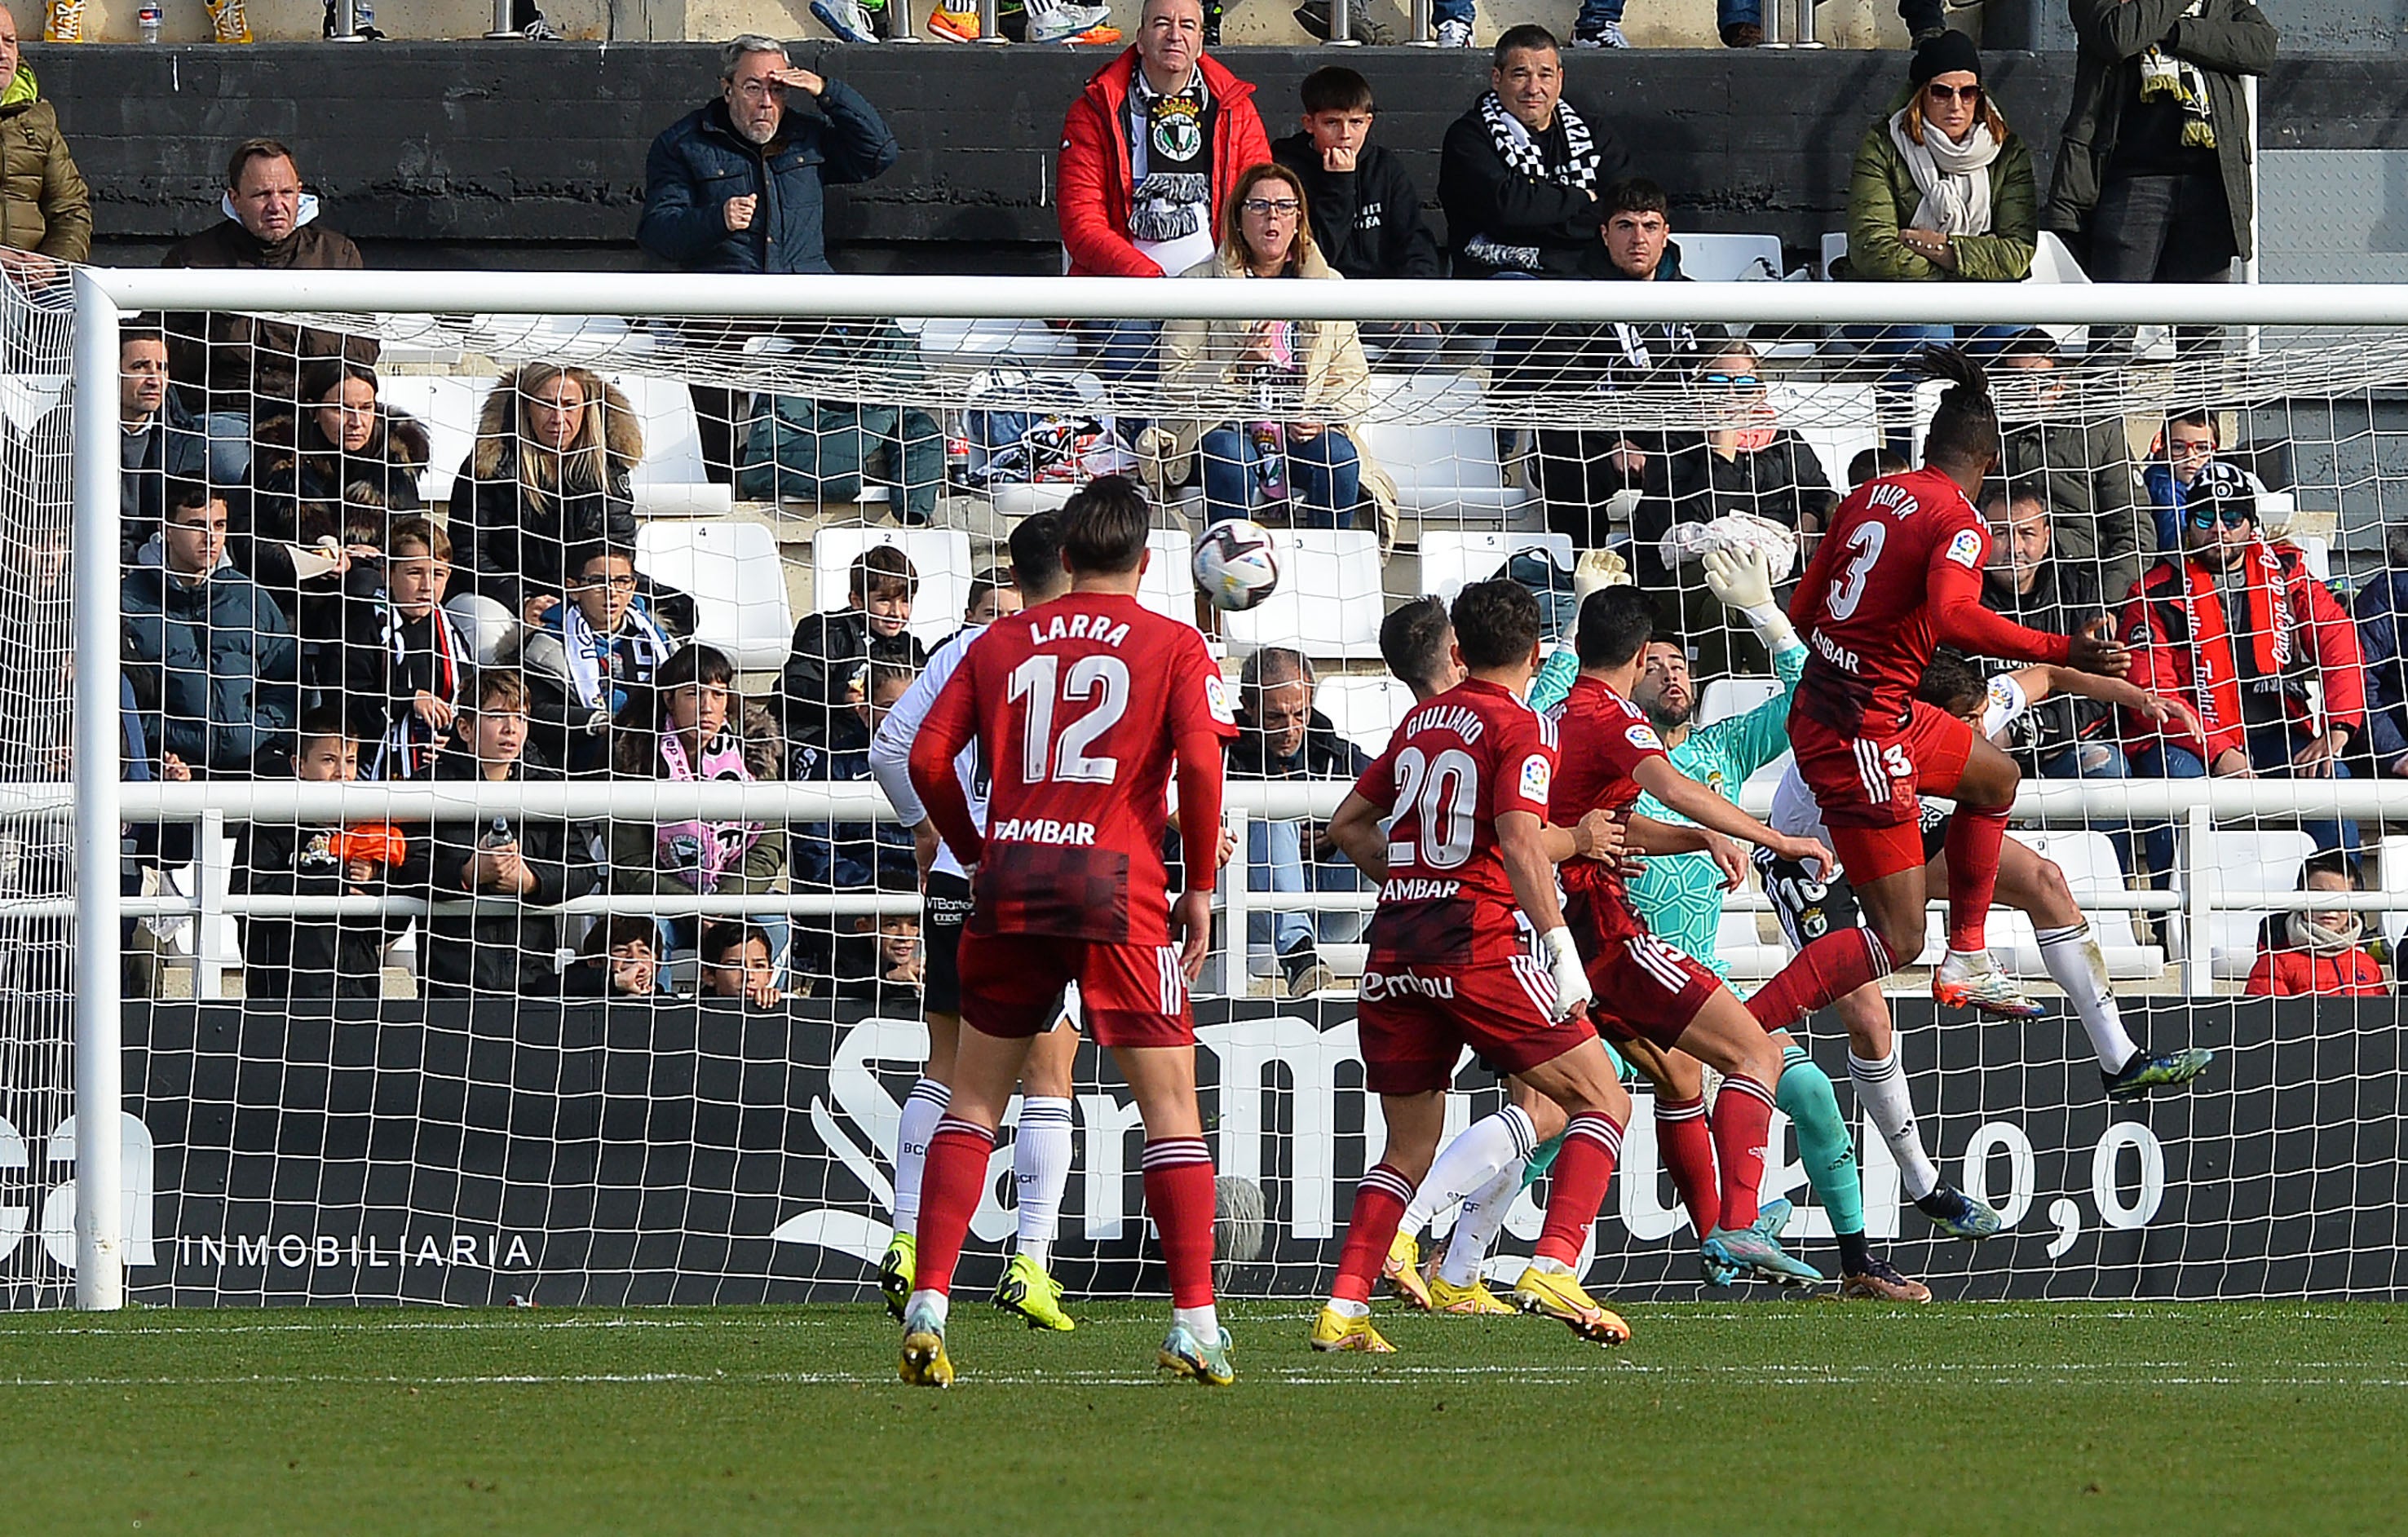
x=1451, y=558
x=1328, y=602
x=2240, y=863
x=26, y=398
x=739, y=587
x=448, y=406
x=1836, y=420
x=1724, y=698
x=1365, y=707
x=1442, y=472
x=1169, y=586
x=1729, y=258
x=940, y=555
x=1741, y=945
x=2091, y=870
x=669, y=480
x=975, y=341
x=1835, y=250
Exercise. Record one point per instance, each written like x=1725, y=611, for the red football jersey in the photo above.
x=1865, y=604
x=1456, y=765
x=1603, y=738
x=1076, y=706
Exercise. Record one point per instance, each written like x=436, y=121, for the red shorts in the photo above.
x=1647, y=990
x=1130, y=995
x=1414, y=1021
x=1867, y=786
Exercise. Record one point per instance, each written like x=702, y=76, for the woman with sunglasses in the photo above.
x=1743, y=461
x=1943, y=188
x=1305, y=380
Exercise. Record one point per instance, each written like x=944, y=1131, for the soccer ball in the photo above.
x=1234, y=566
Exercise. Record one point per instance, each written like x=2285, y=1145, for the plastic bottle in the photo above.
x=148, y=19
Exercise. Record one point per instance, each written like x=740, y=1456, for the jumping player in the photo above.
x=1040, y=1143
x=1898, y=574
x=1080, y=707
x=1811, y=906
x=1463, y=790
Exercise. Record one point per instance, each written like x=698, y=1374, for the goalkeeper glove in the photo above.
x=1572, y=992
x=1745, y=582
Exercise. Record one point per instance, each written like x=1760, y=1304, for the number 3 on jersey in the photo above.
x=1040, y=680
x=1848, y=587
x=1443, y=796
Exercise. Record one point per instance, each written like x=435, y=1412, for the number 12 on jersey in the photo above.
x=1041, y=683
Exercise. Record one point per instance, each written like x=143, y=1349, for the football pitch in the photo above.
x=1771, y=1418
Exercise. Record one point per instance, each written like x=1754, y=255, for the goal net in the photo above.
x=507, y=910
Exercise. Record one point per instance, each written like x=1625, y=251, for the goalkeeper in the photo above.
x=1681, y=897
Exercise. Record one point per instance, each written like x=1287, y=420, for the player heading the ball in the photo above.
x=1898, y=575
x=1080, y=707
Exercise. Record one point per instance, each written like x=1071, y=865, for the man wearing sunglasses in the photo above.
x=2238, y=628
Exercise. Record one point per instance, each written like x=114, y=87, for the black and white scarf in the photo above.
x=410, y=745
x=1524, y=155
x=1171, y=153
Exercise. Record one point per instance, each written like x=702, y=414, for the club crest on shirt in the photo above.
x=1643, y=737
x=1535, y=778
x=1965, y=549
x=1177, y=135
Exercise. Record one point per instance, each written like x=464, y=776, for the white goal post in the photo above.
x=2280, y=342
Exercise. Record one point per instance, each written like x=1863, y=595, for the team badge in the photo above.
x=1177, y=135
x=1965, y=549
x=1535, y=778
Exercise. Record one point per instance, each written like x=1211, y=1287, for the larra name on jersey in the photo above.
x=1376, y=986
x=1466, y=724
x=1041, y=829
x=1079, y=627
x=1404, y=889
x=1832, y=652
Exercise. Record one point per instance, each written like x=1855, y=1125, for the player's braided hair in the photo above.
x=1965, y=430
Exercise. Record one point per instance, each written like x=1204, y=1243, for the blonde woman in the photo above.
x=1308, y=379
x=555, y=449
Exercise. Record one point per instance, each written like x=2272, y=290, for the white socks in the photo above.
x=1041, y=1167
x=1478, y=1224
x=1204, y=1323
x=1880, y=1088
x=920, y=1112
x=2075, y=964
x=933, y=1302
x=1472, y=1160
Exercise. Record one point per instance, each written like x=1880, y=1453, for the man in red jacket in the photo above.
x=2238, y=629
x=1150, y=151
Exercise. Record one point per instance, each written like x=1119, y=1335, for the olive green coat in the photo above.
x=44, y=205
x=1883, y=196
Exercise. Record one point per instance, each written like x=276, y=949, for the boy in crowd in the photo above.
x=317, y=957
x=406, y=661
x=504, y=856
x=883, y=959
x=616, y=959
x=1366, y=213
x=737, y=962
x=829, y=668
x=612, y=643
x=854, y=855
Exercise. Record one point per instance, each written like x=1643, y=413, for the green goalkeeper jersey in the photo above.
x=1681, y=895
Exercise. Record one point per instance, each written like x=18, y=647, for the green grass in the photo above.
x=2155, y=1418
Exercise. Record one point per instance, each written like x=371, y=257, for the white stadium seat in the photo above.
x=1729, y=258
x=2240, y=863
x=1724, y=697
x=941, y=556
x=1329, y=603
x=732, y=572
x=1451, y=558
x=1364, y=706
x=669, y=480
x=1442, y=472
x=2091, y=870
x=1836, y=420
x=448, y=405
x=1168, y=587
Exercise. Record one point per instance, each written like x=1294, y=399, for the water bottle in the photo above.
x=148, y=19
x=1271, y=464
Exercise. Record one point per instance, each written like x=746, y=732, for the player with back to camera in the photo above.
x=1080, y=707
x=1463, y=791
x=1042, y=1141
x=1898, y=575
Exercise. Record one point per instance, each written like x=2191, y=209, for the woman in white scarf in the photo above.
x=1943, y=188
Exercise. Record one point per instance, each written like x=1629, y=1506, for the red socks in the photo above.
x=1743, y=1124
x=1380, y=1202
x=1973, y=840
x=1827, y=971
x=1686, y=1147
x=950, y=1185
x=1576, y=1186
x=1179, y=1194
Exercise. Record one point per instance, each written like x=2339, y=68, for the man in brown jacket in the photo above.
x=229, y=368
x=45, y=210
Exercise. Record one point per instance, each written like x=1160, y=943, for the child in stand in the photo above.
x=317, y=957
x=617, y=959
x=405, y=661
x=2318, y=952
x=739, y=962
x=612, y=646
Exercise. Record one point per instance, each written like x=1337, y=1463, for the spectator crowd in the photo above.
x=294, y=608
